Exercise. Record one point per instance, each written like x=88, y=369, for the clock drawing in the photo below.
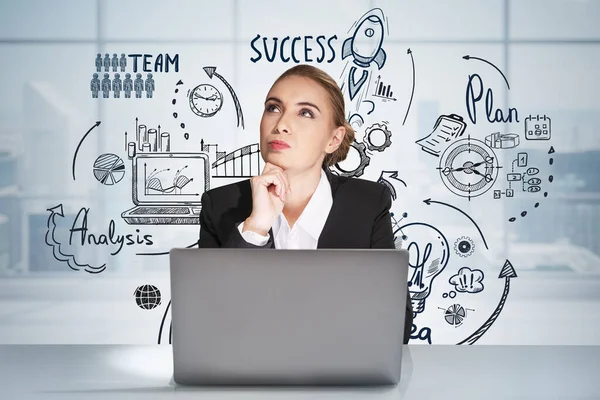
x=205, y=100
x=468, y=167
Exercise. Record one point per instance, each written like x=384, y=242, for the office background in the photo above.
x=499, y=209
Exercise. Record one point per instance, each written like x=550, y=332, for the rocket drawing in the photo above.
x=365, y=48
x=365, y=44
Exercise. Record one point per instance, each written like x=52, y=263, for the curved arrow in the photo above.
x=81, y=141
x=385, y=178
x=468, y=57
x=429, y=201
x=507, y=272
x=210, y=71
x=409, y=51
x=57, y=252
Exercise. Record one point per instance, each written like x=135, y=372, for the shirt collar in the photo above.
x=315, y=214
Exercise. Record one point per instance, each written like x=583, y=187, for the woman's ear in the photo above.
x=336, y=139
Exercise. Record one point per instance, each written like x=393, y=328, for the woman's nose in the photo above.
x=282, y=125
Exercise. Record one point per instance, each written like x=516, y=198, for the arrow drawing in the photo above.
x=507, y=272
x=409, y=51
x=79, y=145
x=387, y=178
x=56, y=250
x=468, y=57
x=429, y=201
x=210, y=71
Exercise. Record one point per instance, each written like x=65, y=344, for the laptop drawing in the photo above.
x=167, y=188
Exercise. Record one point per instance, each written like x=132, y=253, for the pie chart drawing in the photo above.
x=109, y=169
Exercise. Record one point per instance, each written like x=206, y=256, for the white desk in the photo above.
x=429, y=372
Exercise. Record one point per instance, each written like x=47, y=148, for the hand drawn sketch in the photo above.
x=455, y=314
x=464, y=246
x=365, y=49
x=109, y=169
x=468, y=167
x=507, y=273
x=57, y=251
x=166, y=186
x=446, y=129
x=499, y=140
x=212, y=71
x=378, y=137
x=467, y=280
x=244, y=162
x=537, y=127
x=388, y=178
x=205, y=100
x=147, y=297
x=359, y=170
x=429, y=254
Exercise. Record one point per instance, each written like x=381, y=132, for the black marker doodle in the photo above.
x=451, y=294
x=423, y=334
x=467, y=280
x=388, y=178
x=56, y=246
x=162, y=324
x=288, y=46
x=468, y=57
x=240, y=163
x=212, y=71
x=455, y=314
x=468, y=167
x=446, y=129
x=165, y=253
x=109, y=169
x=499, y=140
x=537, y=127
x=382, y=91
x=372, y=106
x=147, y=297
x=464, y=246
x=79, y=145
x=355, y=120
x=364, y=161
x=205, y=100
x=398, y=240
x=429, y=255
x=412, y=92
x=186, y=135
x=472, y=98
x=380, y=134
x=365, y=47
x=429, y=201
x=506, y=273
x=534, y=182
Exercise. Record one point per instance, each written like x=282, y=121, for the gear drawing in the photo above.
x=364, y=161
x=377, y=128
x=464, y=246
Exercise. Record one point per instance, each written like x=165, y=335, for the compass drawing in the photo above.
x=468, y=167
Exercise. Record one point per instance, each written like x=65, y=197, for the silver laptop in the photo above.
x=288, y=317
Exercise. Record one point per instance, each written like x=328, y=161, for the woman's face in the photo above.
x=296, y=129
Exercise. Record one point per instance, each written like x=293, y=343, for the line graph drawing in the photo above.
x=154, y=180
x=240, y=163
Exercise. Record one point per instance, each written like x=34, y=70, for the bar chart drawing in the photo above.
x=383, y=91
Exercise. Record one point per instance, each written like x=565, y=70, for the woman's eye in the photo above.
x=272, y=108
x=306, y=113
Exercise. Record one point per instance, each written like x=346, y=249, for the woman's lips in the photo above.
x=278, y=145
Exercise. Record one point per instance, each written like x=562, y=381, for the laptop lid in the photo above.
x=326, y=316
x=170, y=178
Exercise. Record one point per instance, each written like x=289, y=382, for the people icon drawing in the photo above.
x=105, y=86
x=95, y=85
x=114, y=62
x=98, y=62
x=117, y=86
x=123, y=62
x=106, y=62
x=127, y=85
x=138, y=85
x=149, y=86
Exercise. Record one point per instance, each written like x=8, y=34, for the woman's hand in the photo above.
x=269, y=191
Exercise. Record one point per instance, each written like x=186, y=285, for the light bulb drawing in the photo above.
x=428, y=256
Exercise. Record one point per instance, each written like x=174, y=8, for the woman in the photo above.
x=296, y=202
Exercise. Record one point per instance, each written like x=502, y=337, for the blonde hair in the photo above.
x=337, y=104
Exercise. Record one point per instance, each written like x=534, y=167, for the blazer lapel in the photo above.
x=328, y=236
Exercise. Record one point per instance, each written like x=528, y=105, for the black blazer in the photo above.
x=359, y=219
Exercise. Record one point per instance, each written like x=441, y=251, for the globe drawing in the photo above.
x=147, y=297
x=109, y=169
